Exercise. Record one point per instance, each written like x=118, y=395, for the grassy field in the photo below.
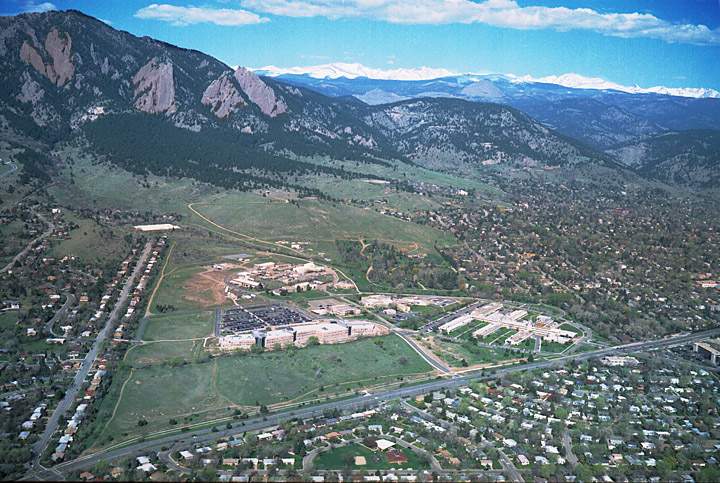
x=455, y=352
x=172, y=353
x=343, y=457
x=312, y=221
x=178, y=326
x=207, y=389
x=8, y=319
x=91, y=241
x=173, y=290
x=399, y=170
x=14, y=238
x=103, y=185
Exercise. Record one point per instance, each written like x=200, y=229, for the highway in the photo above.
x=362, y=402
x=72, y=391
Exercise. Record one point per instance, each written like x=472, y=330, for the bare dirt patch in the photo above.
x=207, y=288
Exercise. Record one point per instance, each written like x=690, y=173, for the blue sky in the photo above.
x=674, y=43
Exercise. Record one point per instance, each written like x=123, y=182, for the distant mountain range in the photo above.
x=601, y=118
x=150, y=106
x=575, y=81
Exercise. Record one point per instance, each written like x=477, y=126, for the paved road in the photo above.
x=509, y=468
x=60, y=315
x=437, y=364
x=362, y=402
x=567, y=446
x=28, y=247
x=72, y=391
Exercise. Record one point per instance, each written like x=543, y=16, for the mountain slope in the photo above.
x=687, y=157
x=452, y=134
x=137, y=101
x=599, y=118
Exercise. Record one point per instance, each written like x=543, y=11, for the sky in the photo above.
x=674, y=43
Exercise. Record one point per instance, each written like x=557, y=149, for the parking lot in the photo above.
x=240, y=319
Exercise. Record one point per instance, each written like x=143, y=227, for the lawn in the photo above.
x=176, y=326
x=343, y=457
x=273, y=377
x=160, y=392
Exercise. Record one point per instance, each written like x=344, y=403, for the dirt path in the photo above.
x=148, y=313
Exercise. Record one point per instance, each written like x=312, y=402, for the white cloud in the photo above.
x=33, y=7
x=499, y=13
x=182, y=16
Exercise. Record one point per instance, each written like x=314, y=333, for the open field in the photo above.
x=312, y=221
x=104, y=185
x=91, y=241
x=400, y=170
x=343, y=457
x=173, y=353
x=246, y=380
x=466, y=352
x=13, y=239
x=179, y=326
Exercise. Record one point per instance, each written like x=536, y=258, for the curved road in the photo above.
x=60, y=315
x=361, y=402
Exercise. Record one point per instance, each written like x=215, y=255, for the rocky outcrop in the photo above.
x=222, y=97
x=30, y=91
x=260, y=93
x=58, y=46
x=155, y=87
x=29, y=55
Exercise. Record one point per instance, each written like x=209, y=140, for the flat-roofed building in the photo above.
x=709, y=348
x=303, y=333
x=365, y=328
x=158, y=227
x=456, y=323
x=517, y=314
x=240, y=341
x=333, y=333
x=486, y=310
x=518, y=337
x=279, y=338
x=485, y=331
x=377, y=301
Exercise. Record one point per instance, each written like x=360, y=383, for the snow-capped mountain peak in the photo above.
x=354, y=70
x=571, y=80
x=577, y=81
